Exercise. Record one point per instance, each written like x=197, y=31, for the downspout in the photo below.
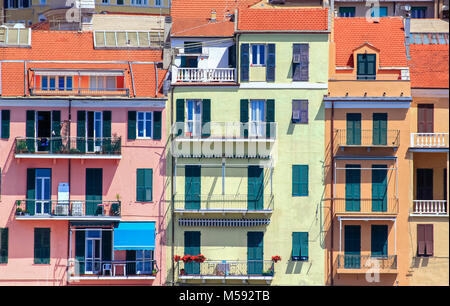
x=172, y=189
x=69, y=174
x=332, y=194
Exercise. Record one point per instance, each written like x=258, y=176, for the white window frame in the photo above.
x=194, y=125
x=258, y=55
x=144, y=125
x=140, y=260
x=141, y=2
x=161, y=3
x=257, y=123
x=104, y=79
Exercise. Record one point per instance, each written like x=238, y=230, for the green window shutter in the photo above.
x=144, y=185
x=55, y=144
x=270, y=117
x=31, y=190
x=180, y=117
x=193, y=187
x=80, y=251
x=296, y=246
x=353, y=129
x=81, y=131
x=379, y=128
x=352, y=188
x=379, y=240
x=232, y=56
x=352, y=246
x=300, y=179
x=192, y=247
x=107, y=124
x=42, y=246
x=206, y=118
x=379, y=188
x=94, y=191
x=244, y=118
x=3, y=245
x=30, y=128
x=255, y=189
x=5, y=116
x=245, y=62
x=270, y=69
x=304, y=246
x=255, y=253
x=106, y=245
x=366, y=66
x=131, y=125
x=157, y=125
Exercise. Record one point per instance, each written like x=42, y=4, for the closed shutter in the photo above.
x=379, y=188
x=255, y=188
x=379, y=128
x=245, y=62
x=106, y=143
x=94, y=191
x=352, y=187
x=31, y=190
x=56, y=141
x=353, y=129
x=300, y=179
x=270, y=71
x=42, y=246
x=5, y=117
x=301, y=62
x=4, y=245
x=296, y=246
x=180, y=117
x=255, y=253
x=244, y=118
x=131, y=125
x=81, y=131
x=106, y=246
x=80, y=251
x=30, y=130
x=270, y=118
x=206, y=118
x=192, y=247
x=379, y=240
x=429, y=239
x=352, y=246
x=192, y=187
x=144, y=185
x=232, y=56
x=157, y=125
x=421, y=239
x=425, y=118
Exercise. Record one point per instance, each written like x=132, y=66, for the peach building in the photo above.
x=82, y=160
x=367, y=138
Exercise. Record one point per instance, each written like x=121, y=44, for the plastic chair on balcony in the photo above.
x=107, y=267
x=223, y=268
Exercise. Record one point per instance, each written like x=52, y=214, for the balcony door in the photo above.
x=94, y=188
x=255, y=188
x=424, y=184
x=192, y=247
x=93, y=252
x=425, y=118
x=257, y=118
x=192, y=187
x=43, y=131
x=43, y=191
x=94, y=131
x=194, y=118
x=352, y=247
x=379, y=188
x=255, y=253
x=352, y=187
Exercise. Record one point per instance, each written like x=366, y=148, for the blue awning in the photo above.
x=134, y=236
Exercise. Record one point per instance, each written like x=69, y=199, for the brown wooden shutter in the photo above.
x=420, y=239
x=425, y=118
x=429, y=239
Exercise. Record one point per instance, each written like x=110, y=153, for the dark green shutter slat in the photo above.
x=192, y=187
x=180, y=117
x=81, y=131
x=244, y=118
x=30, y=129
x=352, y=188
x=106, y=143
x=56, y=143
x=304, y=245
x=42, y=246
x=206, y=118
x=80, y=250
x=94, y=191
x=31, y=190
x=300, y=180
x=379, y=240
x=4, y=245
x=270, y=117
x=255, y=252
x=379, y=129
x=353, y=129
x=5, y=123
x=352, y=246
x=140, y=188
x=106, y=245
x=144, y=185
x=296, y=245
x=157, y=124
x=270, y=70
x=255, y=188
x=131, y=125
x=192, y=247
x=379, y=188
x=245, y=62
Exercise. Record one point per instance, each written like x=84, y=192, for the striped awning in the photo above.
x=223, y=222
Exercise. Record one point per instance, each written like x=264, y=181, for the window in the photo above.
x=144, y=261
x=366, y=66
x=259, y=55
x=144, y=124
x=193, y=47
x=17, y=3
x=379, y=240
x=105, y=1
x=379, y=12
x=353, y=129
x=42, y=245
x=300, y=246
x=299, y=111
x=300, y=180
x=120, y=2
x=424, y=239
x=102, y=83
x=346, y=11
x=194, y=117
x=352, y=188
x=3, y=245
x=4, y=123
x=300, y=62
x=418, y=12
x=257, y=117
x=158, y=3
x=139, y=2
x=144, y=184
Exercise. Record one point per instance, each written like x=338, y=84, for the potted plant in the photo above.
x=154, y=272
x=199, y=258
x=267, y=273
x=186, y=258
x=182, y=272
x=177, y=258
x=21, y=147
x=26, y=212
x=276, y=258
x=19, y=211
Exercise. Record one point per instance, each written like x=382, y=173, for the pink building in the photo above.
x=82, y=161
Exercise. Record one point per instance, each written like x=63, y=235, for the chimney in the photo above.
x=213, y=15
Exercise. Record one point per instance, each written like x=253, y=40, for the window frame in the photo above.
x=144, y=200
x=298, y=192
x=300, y=110
x=145, y=119
x=259, y=47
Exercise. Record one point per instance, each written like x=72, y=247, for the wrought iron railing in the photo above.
x=223, y=202
x=366, y=206
x=112, y=268
x=68, y=145
x=227, y=268
x=72, y=208
x=368, y=138
x=365, y=262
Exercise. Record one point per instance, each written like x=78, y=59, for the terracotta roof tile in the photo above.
x=429, y=66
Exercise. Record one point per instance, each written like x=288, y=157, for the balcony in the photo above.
x=226, y=270
x=358, y=264
x=429, y=140
x=68, y=147
x=429, y=208
x=224, y=203
x=90, y=92
x=32, y=209
x=224, y=139
x=368, y=139
x=205, y=75
x=366, y=207
x=112, y=270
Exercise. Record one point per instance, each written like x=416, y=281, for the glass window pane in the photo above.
x=140, y=128
x=262, y=54
x=52, y=84
x=254, y=54
x=69, y=83
x=426, y=39
x=148, y=125
x=61, y=84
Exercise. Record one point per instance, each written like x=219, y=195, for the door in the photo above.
x=352, y=247
x=194, y=120
x=353, y=129
x=257, y=118
x=379, y=241
x=94, y=188
x=255, y=188
x=144, y=262
x=44, y=131
x=93, y=252
x=43, y=191
x=352, y=188
x=379, y=187
x=192, y=187
x=255, y=253
x=192, y=247
x=379, y=129
x=94, y=131
x=425, y=118
x=424, y=184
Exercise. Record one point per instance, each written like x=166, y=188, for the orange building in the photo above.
x=366, y=202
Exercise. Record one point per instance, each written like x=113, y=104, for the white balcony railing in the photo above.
x=429, y=140
x=429, y=208
x=205, y=75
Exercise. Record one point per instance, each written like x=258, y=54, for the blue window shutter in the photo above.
x=270, y=69
x=245, y=62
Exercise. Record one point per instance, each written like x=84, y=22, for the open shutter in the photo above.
x=30, y=129
x=270, y=118
x=245, y=62
x=31, y=190
x=131, y=125
x=304, y=63
x=81, y=131
x=379, y=188
x=353, y=129
x=192, y=247
x=304, y=246
x=5, y=116
x=180, y=117
x=420, y=239
x=106, y=246
x=429, y=239
x=4, y=245
x=56, y=142
x=232, y=56
x=157, y=125
x=80, y=251
x=106, y=143
x=296, y=246
x=192, y=187
x=352, y=188
x=206, y=118
x=244, y=118
x=379, y=240
x=270, y=71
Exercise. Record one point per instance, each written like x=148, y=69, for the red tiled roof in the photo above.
x=73, y=46
x=192, y=18
x=305, y=19
x=429, y=66
x=387, y=35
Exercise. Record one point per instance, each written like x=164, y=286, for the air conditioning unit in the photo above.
x=295, y=116
x=62, y=209
x=77, y=209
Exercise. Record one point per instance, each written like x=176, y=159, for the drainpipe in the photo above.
x=332, y=192
x=69, y=174
x=171, y=188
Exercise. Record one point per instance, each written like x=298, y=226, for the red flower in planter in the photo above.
x=199, y=258
x=276, y=258
x=177, y=258
x=187, y=258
